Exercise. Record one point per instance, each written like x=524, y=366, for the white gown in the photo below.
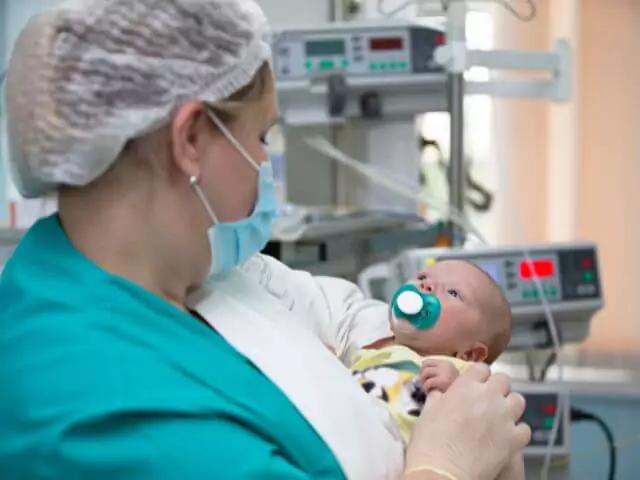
x=279, y=318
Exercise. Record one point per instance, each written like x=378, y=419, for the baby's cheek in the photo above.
x=445, y=334
x=427, y=342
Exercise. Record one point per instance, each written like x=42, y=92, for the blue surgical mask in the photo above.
x=232, y=243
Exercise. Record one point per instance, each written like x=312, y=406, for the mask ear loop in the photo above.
x=193, y=182
x=225, y=131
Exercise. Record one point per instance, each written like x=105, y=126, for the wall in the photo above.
x=563, y=130
x=520, y=136
x=573, y=167
x=610, y=144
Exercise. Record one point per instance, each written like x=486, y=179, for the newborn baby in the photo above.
x=474, y=325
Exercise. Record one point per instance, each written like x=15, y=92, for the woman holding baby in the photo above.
x=118, y=360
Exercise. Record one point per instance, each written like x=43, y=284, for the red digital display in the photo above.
x=538, y=268
x=386, y=43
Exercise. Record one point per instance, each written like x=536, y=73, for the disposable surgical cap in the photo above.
x=90, y=75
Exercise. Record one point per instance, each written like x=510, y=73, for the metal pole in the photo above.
x=456, y=161
x=456, y=37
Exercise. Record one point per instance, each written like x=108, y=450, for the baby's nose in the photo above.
x=427, y=286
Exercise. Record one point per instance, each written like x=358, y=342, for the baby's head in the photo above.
x=475, y=318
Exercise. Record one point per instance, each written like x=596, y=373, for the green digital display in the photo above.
x=318, y=48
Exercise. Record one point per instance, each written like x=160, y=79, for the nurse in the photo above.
x=117, y=359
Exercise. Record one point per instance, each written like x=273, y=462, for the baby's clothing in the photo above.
x=390, y=375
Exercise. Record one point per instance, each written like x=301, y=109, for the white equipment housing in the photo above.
x=546, y=403
x=568, y=274
x=361, y=84
x=367, y=70
x=345, y=72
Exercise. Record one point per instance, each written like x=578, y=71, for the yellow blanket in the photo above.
x=389, y=374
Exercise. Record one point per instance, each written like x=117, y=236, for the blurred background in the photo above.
x=565, y=171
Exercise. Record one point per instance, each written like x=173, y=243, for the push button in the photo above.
x=326, y=64
x=586, y=289
x=586, y=263
x=549, y=409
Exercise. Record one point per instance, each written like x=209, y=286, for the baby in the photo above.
x=474, y=325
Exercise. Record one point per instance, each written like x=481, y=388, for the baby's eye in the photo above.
x=422, y=277
x=453, y=292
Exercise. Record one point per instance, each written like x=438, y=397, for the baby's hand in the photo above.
x=437, y=375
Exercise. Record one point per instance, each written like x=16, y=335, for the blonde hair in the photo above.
x=230, y=109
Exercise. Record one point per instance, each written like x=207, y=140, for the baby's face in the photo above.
x=460, y=287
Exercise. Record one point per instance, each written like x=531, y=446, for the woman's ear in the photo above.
x=188, y=134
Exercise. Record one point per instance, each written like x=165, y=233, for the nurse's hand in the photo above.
x=470, y=432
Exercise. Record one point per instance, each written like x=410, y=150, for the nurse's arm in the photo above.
x=335, y=309
x=159, y=446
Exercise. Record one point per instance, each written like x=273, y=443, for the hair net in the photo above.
x=88, y=76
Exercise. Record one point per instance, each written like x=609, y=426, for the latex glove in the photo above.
x=470, y=432
x=514, y=469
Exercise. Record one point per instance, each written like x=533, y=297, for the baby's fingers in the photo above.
x=439, y=383
x=428, y=372
x=430, y=362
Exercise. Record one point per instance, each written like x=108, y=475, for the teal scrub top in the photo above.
x=101, y=379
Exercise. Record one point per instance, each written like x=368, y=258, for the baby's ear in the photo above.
x=477, y=353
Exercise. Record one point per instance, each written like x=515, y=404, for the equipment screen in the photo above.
x=325, y=47
x=539, y=268
x=386, y=43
